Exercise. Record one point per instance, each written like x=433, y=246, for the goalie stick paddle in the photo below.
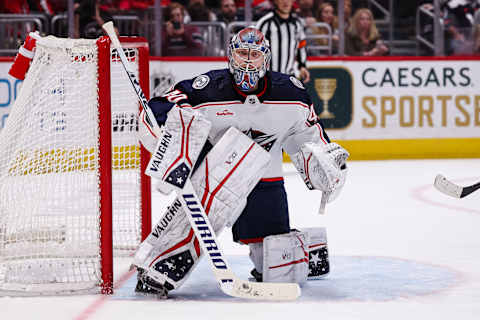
x=228, y=282
x=449, y=188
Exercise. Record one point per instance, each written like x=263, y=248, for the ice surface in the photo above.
x=399, y=250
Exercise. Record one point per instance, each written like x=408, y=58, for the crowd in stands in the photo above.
x=49, y=7
x=461, y=25
x=362, y=37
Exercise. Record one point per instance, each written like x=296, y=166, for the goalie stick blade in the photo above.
x=447, y=187
x=263, y=290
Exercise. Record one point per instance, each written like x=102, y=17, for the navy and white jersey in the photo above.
x=287, y=41
x=278, y=116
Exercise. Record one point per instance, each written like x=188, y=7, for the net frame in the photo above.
x=106, y=234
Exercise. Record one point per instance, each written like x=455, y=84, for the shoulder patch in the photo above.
x=201, y=82
x=297, y=82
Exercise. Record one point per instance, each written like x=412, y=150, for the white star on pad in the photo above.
x=315, y=258
x=169, y=265
x=179, y=180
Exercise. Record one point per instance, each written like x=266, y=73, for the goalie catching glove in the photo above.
x=322, y=167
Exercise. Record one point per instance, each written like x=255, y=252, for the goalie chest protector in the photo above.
x=277, y=110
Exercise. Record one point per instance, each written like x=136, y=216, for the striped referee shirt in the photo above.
x=287, y=41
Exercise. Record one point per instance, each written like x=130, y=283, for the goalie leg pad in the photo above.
x=223, y=181
x=179, y=146
x=169, y=252
x=232, y=169
x=285, y=257
x=318, y=263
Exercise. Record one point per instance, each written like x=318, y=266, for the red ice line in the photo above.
x=418, y=194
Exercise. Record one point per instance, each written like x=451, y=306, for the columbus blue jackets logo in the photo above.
x=266, y=141
x=201, y=82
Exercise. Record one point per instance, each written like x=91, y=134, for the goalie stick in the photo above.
x=228, y=282
x=149, y=117
x=449, y=188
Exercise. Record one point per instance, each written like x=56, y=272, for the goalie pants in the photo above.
x=265, y=214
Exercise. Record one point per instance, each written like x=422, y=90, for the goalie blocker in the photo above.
x=222, y=181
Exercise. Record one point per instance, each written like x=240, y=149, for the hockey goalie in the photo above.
x=232, y=126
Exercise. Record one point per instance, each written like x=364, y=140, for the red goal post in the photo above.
x=72, y=188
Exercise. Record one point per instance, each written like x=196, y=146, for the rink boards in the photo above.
x=393, y=108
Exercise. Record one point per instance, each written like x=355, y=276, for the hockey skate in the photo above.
x=257, y=276
x=148, y=287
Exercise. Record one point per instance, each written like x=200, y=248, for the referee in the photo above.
x=285, y=31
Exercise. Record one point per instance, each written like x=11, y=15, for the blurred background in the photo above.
x=402, y=75
x=407, y=28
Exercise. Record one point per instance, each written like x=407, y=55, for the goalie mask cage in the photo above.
x=71, y=169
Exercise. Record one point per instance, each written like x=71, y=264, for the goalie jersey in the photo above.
x=279, y=116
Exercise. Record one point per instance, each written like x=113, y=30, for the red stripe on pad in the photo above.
x=290, y=263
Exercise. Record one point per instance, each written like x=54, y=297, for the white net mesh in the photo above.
x=49, y=172
x=125, y=157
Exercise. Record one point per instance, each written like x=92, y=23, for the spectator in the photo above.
x=228, y=12
x=259, y=7
x=362, y=38
x=347, y=13
x=180, y=39
x=125, y=5
x=347, y=8
x=89, y=18
x=10, y=36
x=213, y=4
x=49, y=7
x=18, y=7
x=476, y=33
x=305, y=11
x=458, y=17
x=459, y=25
x=325, y=14
x=198, y=11
x=285, y=32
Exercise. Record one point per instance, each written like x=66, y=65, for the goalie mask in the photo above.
x=248, y=57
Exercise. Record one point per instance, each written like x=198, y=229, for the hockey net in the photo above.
x=71, y=170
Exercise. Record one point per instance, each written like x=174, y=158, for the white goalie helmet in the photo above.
x=248, y=57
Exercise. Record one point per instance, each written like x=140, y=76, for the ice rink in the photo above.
x=399, y=249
